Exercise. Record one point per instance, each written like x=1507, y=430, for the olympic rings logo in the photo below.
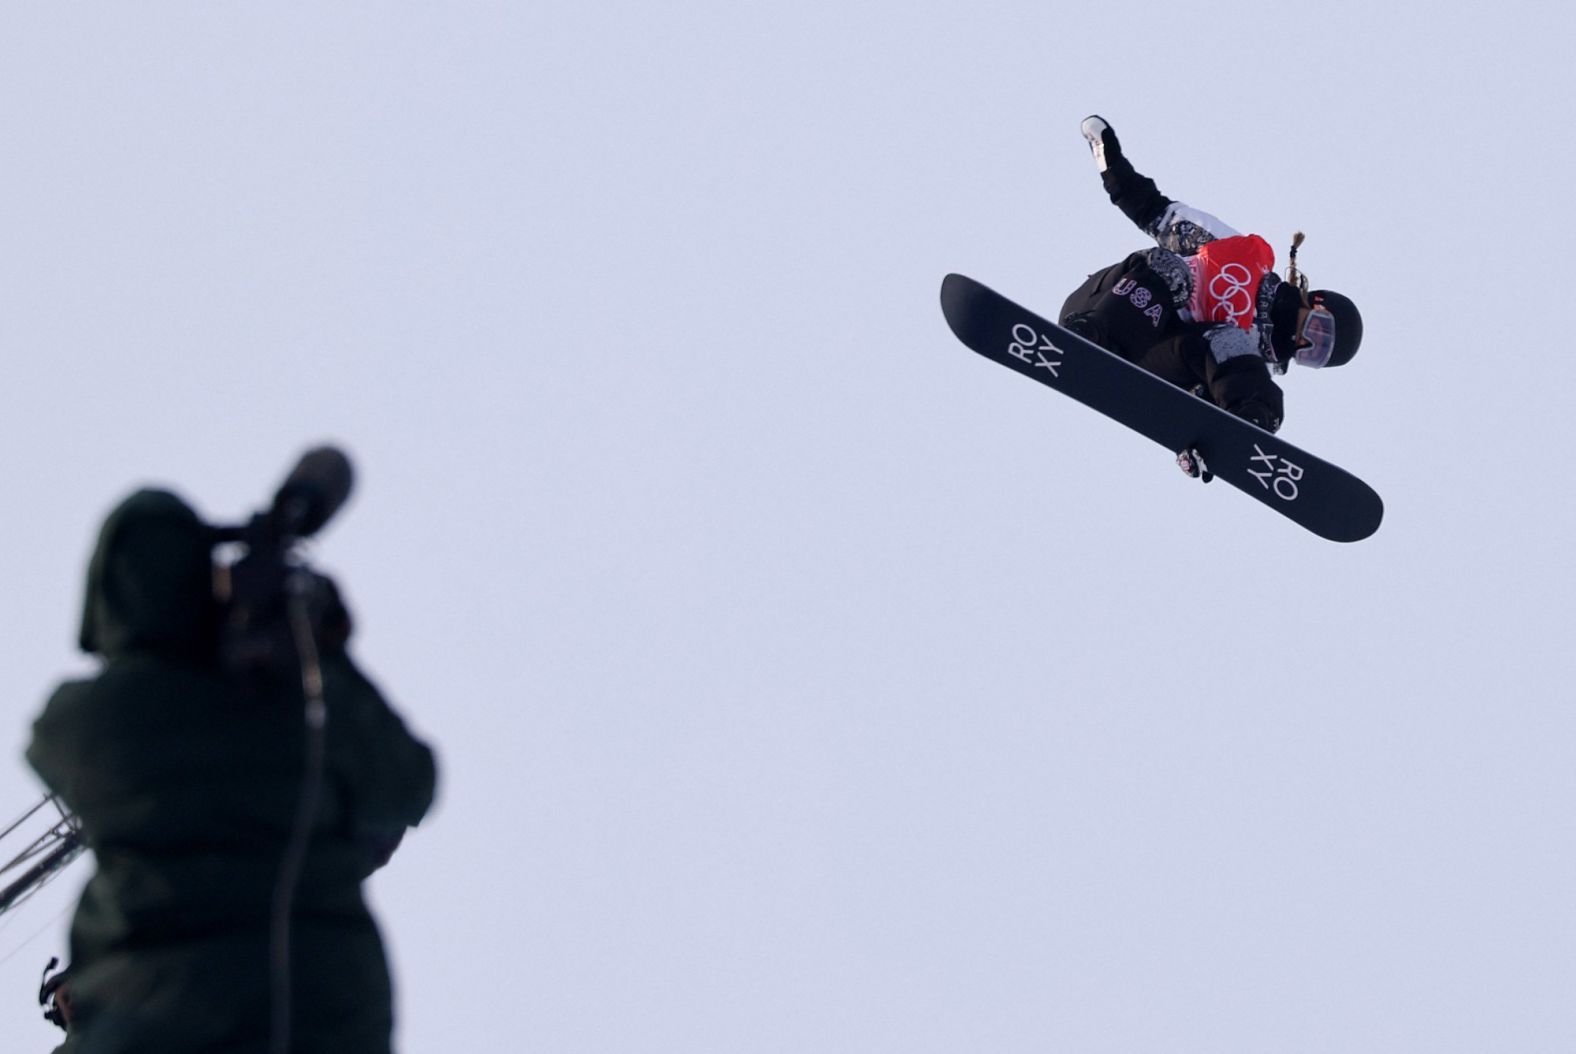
x=1231, y=292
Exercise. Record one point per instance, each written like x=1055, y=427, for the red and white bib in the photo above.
x=1226, y=277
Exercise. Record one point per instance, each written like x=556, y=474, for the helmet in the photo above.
x=1314, y=329
x=1348, y=324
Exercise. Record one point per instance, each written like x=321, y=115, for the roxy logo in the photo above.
x=1275, y=473
x=1230, y=290
x=1035, y=349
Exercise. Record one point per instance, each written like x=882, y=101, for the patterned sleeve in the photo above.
x=1185, y=230
x=1174, y=226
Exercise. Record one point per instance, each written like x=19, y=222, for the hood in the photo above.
x=150, y=582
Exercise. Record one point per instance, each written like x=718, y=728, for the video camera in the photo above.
x=273, y=595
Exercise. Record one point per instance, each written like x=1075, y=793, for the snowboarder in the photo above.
x=184, y=775
x=1204, y=309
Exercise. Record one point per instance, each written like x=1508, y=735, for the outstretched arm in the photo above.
x=1173, y=225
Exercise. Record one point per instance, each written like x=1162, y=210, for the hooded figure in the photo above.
x=186, y=778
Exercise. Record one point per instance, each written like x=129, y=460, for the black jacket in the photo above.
x=186, y=778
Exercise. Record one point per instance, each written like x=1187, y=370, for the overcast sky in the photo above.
x=801, y=680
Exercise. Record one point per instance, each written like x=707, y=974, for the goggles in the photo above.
x=1316, y=338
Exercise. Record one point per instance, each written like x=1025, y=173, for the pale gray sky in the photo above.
x=802, y=681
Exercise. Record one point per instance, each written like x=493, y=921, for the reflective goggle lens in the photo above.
x=1316, y=342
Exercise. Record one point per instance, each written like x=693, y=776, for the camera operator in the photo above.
x=185, y=772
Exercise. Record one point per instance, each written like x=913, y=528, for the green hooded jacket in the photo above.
x=186, y=780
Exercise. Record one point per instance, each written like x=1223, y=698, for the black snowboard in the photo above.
x=1328, y=501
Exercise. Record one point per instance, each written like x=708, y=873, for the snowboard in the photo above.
x=1326, y=500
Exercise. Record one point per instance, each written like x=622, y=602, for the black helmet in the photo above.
x=1348, y=324
x=1328, y=336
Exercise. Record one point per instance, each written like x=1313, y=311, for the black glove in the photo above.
x=1259, y=413
x=331, y=618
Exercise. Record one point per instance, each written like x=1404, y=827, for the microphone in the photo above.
x=312, y=493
